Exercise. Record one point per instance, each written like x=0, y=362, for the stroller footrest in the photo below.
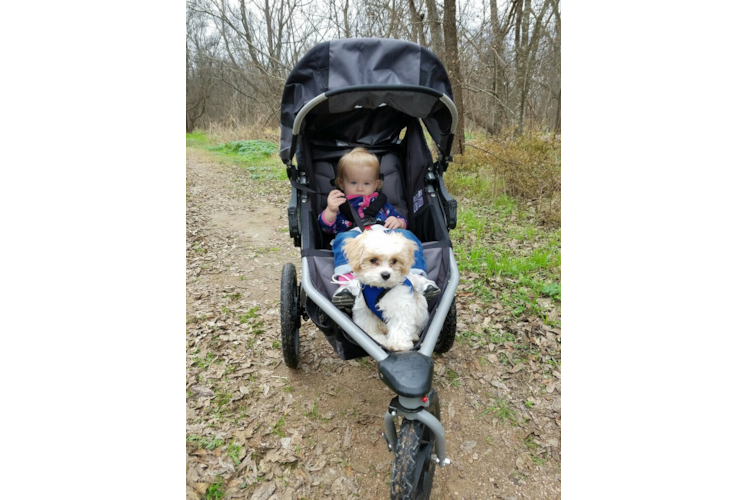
x=407, y=373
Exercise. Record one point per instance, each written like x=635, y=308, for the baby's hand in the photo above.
x=393, y=222
x=334, y=200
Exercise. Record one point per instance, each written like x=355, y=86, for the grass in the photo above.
x=259, y=157
x=234, y=452
x=314, y=412
x=197, y=139
x=215, y=491
x=505, y=258
x=209, y=359
x=278, y=427
x=453, y=378
x=499, y=408
x=205, y=442
x=256, y=326
x=251, y=314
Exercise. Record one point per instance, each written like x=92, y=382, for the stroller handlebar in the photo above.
x=301, y=115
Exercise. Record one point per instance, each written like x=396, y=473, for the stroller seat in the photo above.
x=325, y=171
x=390, y=170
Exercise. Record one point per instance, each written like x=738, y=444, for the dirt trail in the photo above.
x=274, y=433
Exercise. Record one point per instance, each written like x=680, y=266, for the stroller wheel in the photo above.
x=449, y=330
x=413, y=469
x=290, y=316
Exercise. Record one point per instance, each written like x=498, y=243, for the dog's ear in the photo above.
x=353, y=248
x=412, y=247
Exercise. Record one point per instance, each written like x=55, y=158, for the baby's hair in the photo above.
x=356, y=157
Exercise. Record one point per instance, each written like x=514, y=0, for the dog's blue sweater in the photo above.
x=373, y=294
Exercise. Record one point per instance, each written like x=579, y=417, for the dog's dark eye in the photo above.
x=373, y=261
x=393, y=261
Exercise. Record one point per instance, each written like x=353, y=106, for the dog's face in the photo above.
x=380, y=259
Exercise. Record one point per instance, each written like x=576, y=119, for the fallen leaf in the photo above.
x=202, y=391
x=517, y=368
x=264, y=491
x=468, y=445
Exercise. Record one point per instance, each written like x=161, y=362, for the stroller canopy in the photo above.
x=359, y=86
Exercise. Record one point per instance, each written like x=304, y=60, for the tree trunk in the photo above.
x=416, y=22
x=498, y=77
x=437, y=41
x=453, y=68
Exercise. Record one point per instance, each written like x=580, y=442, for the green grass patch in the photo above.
x=504, y=258
x=259, y=157
x=205, y=442
x=197, y=139
x=278, y=428
x=252, y=150
x=215, y=491
x=499, y=408
x=235, y=452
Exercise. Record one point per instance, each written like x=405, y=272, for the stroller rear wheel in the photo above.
x=290, y=316
x=449, y=330
x=413, y=469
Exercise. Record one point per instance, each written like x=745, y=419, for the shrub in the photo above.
x=527, y=168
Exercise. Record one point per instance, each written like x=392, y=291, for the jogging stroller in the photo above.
x=379, y=94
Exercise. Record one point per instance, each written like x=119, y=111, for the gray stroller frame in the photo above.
x=365, y=92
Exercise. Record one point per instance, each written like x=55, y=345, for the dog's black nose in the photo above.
x=385, y=276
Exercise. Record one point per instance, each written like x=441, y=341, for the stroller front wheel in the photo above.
x=290, y=317
x=413, y=469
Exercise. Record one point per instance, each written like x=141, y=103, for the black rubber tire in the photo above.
x=413, y=470
x=449, y=330
x=289, y=316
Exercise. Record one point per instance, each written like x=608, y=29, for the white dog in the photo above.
x=381, y=262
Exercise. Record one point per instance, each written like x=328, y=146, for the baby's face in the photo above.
x=360, y=181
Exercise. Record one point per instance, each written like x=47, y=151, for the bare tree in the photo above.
x=527, y=46
x=435, y=29
x=200, y=70
x=452, y=60
x=416, y=22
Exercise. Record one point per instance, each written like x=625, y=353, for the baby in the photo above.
x=358, y=177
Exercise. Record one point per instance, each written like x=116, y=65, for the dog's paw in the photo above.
x=378, y=337
x=399, y=345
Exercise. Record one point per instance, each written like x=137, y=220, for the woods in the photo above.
x=503, y=57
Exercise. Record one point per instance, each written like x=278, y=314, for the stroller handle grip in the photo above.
x=301, y=115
